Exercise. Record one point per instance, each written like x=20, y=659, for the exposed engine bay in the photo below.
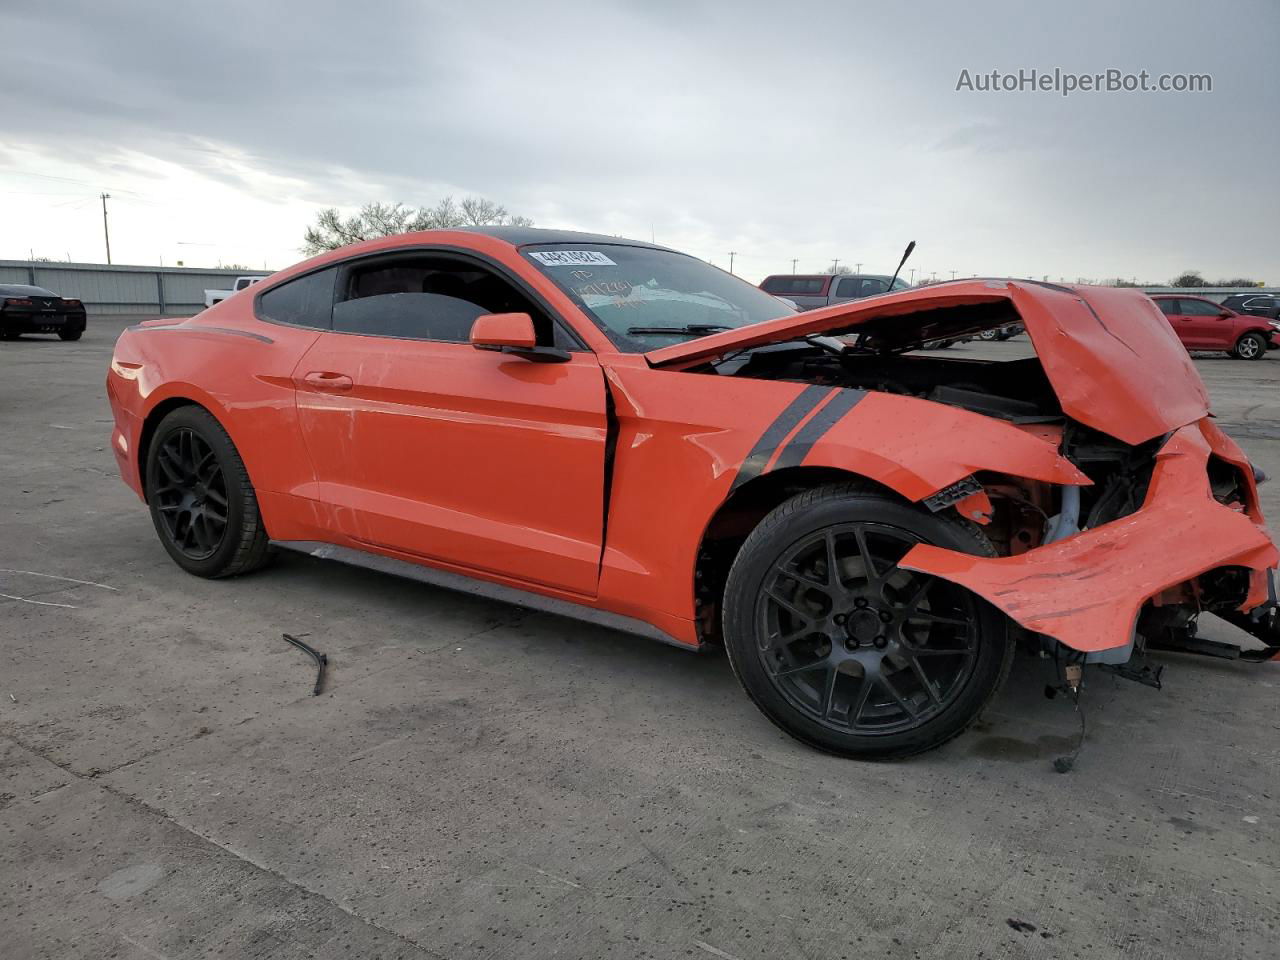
x=1016, y=390
x=1022, y=515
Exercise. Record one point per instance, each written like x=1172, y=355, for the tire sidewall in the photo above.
x=203, y=423
x=746, y=580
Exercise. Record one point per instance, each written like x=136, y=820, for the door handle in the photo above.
x=327, y=380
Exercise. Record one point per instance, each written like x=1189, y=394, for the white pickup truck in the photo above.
x=217, y=296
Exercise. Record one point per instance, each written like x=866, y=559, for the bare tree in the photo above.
x=332, y=230
x=1189, y=278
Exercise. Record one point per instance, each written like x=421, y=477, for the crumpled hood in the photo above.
x=1109, y=353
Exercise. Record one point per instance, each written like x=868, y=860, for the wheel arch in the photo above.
x=739, y=514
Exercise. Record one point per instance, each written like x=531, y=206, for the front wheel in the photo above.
x=202, y=503
x=845, y=650
x=70, y=334
x=1251, y=346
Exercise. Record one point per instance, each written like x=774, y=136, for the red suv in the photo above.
x=1202, y=324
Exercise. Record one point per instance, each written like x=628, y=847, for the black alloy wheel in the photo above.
x=845, y=649
x=191, y=496
x=857, y=643
x=203, y=505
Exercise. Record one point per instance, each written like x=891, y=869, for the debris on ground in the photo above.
x=321, y=659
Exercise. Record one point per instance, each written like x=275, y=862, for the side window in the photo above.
x=1199, y=308
x=872, y=287
x=425, y=297
x=849, y=287
x=1168, y=307
x=304, y=302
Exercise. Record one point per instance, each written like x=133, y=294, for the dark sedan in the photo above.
x=27, y=309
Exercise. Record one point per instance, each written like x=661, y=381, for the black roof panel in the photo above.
x=522, y=236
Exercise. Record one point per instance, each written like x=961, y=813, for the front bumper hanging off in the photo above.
x=1086, y=591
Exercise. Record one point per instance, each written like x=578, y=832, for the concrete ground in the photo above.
x=480, y=781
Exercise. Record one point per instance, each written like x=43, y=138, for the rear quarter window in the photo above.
x=304, y=302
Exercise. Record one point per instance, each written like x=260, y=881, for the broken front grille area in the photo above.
x=1120, y=473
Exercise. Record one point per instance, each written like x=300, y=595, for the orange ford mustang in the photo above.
x=614, y=430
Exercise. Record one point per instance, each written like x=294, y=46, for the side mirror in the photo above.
x=512, y=333
x=1225, y=314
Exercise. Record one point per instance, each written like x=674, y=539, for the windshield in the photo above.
x=644, y=299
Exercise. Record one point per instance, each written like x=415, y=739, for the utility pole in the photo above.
x=793, y=264
x=953, y=274
x=835, y=265
x=933, y=275
x=732, y=254
x=858, y=268
x=913, y=276
x=106, y=234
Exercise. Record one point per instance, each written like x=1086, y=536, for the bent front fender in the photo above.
x=1086, y=591
x=918, y=447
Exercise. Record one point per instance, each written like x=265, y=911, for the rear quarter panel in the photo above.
x=241, y=372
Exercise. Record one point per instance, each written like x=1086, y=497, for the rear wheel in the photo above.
x=845, y=650
x=202, y=503
x=1251, y=346
x=70, y=334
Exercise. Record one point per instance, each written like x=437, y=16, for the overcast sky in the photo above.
x=777, y=130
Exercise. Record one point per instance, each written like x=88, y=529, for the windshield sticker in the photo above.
x=571, y=258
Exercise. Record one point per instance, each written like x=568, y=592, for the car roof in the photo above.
x=523, y=236
x=24, y=290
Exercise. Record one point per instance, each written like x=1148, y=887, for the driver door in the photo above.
x=428, y=447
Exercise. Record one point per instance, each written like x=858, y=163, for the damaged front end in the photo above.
x=1169, y=529
x=1162, y=521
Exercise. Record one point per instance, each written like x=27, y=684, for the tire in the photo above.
x=869, y=667
x=990, y=335
x=70, y=334
x=202, y=503
x=1251, y=346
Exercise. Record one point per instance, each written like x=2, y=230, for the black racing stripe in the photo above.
x=793, y=453
x=776, y=432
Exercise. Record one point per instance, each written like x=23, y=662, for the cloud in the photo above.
x=810, y=130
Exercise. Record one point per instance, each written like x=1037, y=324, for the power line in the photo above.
x=45, y=176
